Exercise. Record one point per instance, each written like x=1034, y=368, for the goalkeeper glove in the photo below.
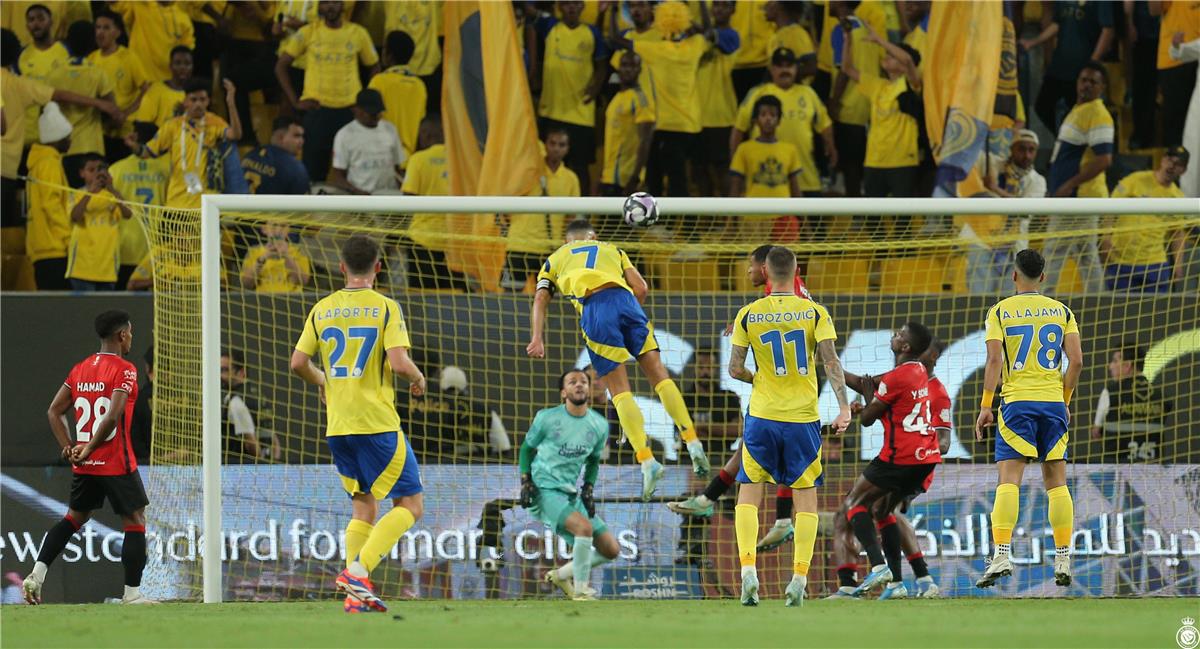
x=529, y=492
x=589, y=502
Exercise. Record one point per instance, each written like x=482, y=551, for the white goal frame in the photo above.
x=210, y=247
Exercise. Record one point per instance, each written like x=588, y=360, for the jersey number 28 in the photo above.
x=89, y=413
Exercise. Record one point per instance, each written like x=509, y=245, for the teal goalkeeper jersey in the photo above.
x=564, y=444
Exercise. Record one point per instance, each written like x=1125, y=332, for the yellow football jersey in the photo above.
x=627, y=109
x=142, y=180
x=403, y=102
x=581, y=267
x=352, y=329
x=804, y=117
x=83, y=78
x=93, y=252
x=782, y=331
x=37, y=65
x=334, y=55
x=1146, y=244
x=1031, y=327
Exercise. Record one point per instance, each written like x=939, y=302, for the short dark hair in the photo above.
x=400, y=47
x=767, y=100
x=579, y=226
x=1131, y=352
x=1030, y=263
x=184, y=49
x=197, y=84
x=85, y=158
x=937, y=345
x=562, y=380
x=781, y=261
x=35, y=7
x=110, y=322
x=359, y=253
x=81, y=38
x=114, y=17
x=10, y=47
x=1098, y=67
x=759, y=255
x=145, y=131
x=237, y=360
x=919, y=337
x=556, y=131
x=912, y=53
x=284, y=122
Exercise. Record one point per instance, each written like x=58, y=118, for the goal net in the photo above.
x=464, y=284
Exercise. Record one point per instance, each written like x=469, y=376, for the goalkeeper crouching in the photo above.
x=561, y=441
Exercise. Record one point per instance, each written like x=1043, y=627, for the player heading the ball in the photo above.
x=782, y=440
x=360, y=335
x=561, y=441
x=608, y=291
x=101, y=389
x=1027, y=335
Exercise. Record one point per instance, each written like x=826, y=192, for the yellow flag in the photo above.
x=491, y=131
x=960, y=88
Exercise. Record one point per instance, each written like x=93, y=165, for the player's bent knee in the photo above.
x=78, y=516
x=136, y=518
x=414, y=504
x=577, y=525
x=606, y=545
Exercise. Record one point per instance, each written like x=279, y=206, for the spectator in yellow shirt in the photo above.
x=529, y=234
x=276, y=266
x=1136, y=258
x=714, y=82
x=571, y=74
x=44, y=55
x=93, y=255
x=765, y=168
x=48, y=229
x=80, y=76
x=891, y=167
x=848, y=106
x=334, y=48
x=403, y=91
x=754, y=30
x=628, y=128
x=190, y=141
x=163, y=100
x=129, y=79
x=421, y=20
x=791, y=34
x=155, y=29
x=427, y=175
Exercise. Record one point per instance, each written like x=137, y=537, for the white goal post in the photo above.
x=213, y=205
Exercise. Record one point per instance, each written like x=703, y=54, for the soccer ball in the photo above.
x=641, y=210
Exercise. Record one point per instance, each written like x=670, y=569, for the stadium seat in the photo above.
x=1069, y=280
x=838, y=275
x=954, y=275
x=912, y=275
x=690, y=276
x=25, y=276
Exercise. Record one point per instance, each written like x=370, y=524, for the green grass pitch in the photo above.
x=963, y=623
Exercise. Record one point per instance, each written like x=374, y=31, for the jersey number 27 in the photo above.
x=368, y=336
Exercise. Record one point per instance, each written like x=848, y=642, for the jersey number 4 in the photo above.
x=915, y=421
x=777, y=339
x=368, y=336
x=88, y=414
x=1050, y=339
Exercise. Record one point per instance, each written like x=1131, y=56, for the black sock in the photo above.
x=890, y=533
x=864, y=531
x=845, y=573
x=133, y=555
x=783, y=504
x=919, y=567
x=56, y=540
x=718, y=486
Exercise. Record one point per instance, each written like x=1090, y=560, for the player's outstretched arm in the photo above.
x=637, y=284
x=991, y=379
x=57, y=414
x=537, y=323
x=403, y=365
x=737, y=365
x=837, y=380
x=873, y=412
x=864, y=385
x=103, y=428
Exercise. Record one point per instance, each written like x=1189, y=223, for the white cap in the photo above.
x=1026, y=135
x=452, y=377
x=52, y=126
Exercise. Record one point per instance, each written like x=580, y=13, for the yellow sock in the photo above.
x=387, y=531
x=633, y=424
x=806, y=538
x=745, y=524
x=1004, y=513
x=357, y=533
x=1061, y=515
x=668, y=393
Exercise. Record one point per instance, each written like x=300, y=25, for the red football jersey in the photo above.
x=797, y=285
x=939, y=405
x=92, y=383
x=907, y=436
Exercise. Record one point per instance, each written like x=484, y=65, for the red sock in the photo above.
x=725, y=477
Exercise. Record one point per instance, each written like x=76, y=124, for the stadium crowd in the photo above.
x=161, y=102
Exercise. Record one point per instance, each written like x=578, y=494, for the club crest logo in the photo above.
x=1188, y=637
